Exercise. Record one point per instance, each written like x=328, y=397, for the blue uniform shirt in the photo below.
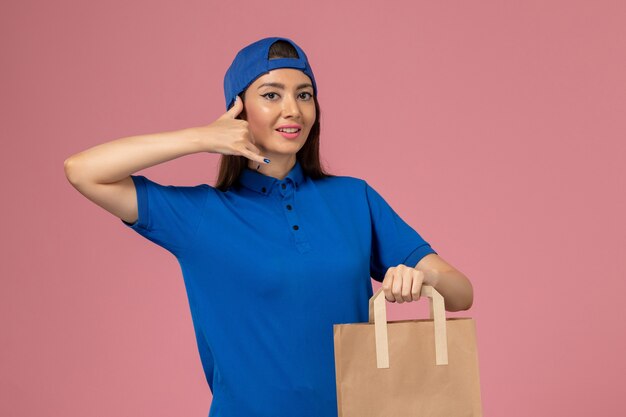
x=269, y=266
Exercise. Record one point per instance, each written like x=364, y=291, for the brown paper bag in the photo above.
x=407, y=368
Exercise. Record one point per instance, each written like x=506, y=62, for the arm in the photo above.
x=455, y=287
x=102, y=173
x=113, y=161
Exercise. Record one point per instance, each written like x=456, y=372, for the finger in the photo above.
x=254, y=149
x=396, y=286
x=387, y=282
x=407, y=281
x=255, y=156
x=416, y=287
x=234, y=111
x=252, y=139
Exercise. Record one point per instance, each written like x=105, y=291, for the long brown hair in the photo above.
x=231, y=166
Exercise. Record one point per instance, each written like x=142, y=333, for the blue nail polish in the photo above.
x=267, y=161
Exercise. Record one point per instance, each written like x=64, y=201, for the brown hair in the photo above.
x=231, y=166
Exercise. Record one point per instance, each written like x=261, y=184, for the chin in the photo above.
x=287, y=147
x=291, y=151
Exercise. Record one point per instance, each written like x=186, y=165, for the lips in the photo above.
x=292, y=126
x=288, y=135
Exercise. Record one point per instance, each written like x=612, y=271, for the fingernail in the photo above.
x=267, y=161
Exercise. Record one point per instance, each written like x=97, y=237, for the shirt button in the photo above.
x=283, y=185
x=263, y=189
x=288, y=206
x=295, y=227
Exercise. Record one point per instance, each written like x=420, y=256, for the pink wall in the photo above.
x=495, y=128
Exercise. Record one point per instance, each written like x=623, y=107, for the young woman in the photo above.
x=278, y=250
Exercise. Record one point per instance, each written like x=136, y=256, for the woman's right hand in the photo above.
x=230, y=136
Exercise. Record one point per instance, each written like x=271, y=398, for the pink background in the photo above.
x=496, y=129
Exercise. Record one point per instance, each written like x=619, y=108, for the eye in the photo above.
x=270, y=96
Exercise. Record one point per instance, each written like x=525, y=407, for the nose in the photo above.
x=291, y=106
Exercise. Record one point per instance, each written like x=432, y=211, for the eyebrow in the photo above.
x=282, y=86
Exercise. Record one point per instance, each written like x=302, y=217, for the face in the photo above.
x=287, y=101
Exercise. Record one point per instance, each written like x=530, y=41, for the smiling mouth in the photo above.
x=289, y=135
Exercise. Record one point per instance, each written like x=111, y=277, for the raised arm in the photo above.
x=102, y=173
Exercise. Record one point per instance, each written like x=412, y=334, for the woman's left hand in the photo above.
x=403, y=283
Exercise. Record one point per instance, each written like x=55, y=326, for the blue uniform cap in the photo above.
x=252, y=62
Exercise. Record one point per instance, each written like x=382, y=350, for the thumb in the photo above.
x=234, y=111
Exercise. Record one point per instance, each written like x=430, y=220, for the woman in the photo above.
x=278, y=251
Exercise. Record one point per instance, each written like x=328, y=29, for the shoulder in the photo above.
x=348, y=191
x=342, y=182
x=352, y=187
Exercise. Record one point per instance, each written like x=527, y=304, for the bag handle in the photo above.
x=378, y=316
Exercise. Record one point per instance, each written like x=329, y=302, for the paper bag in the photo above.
x=407, y=368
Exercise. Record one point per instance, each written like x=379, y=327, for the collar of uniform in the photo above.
x=262, y=183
